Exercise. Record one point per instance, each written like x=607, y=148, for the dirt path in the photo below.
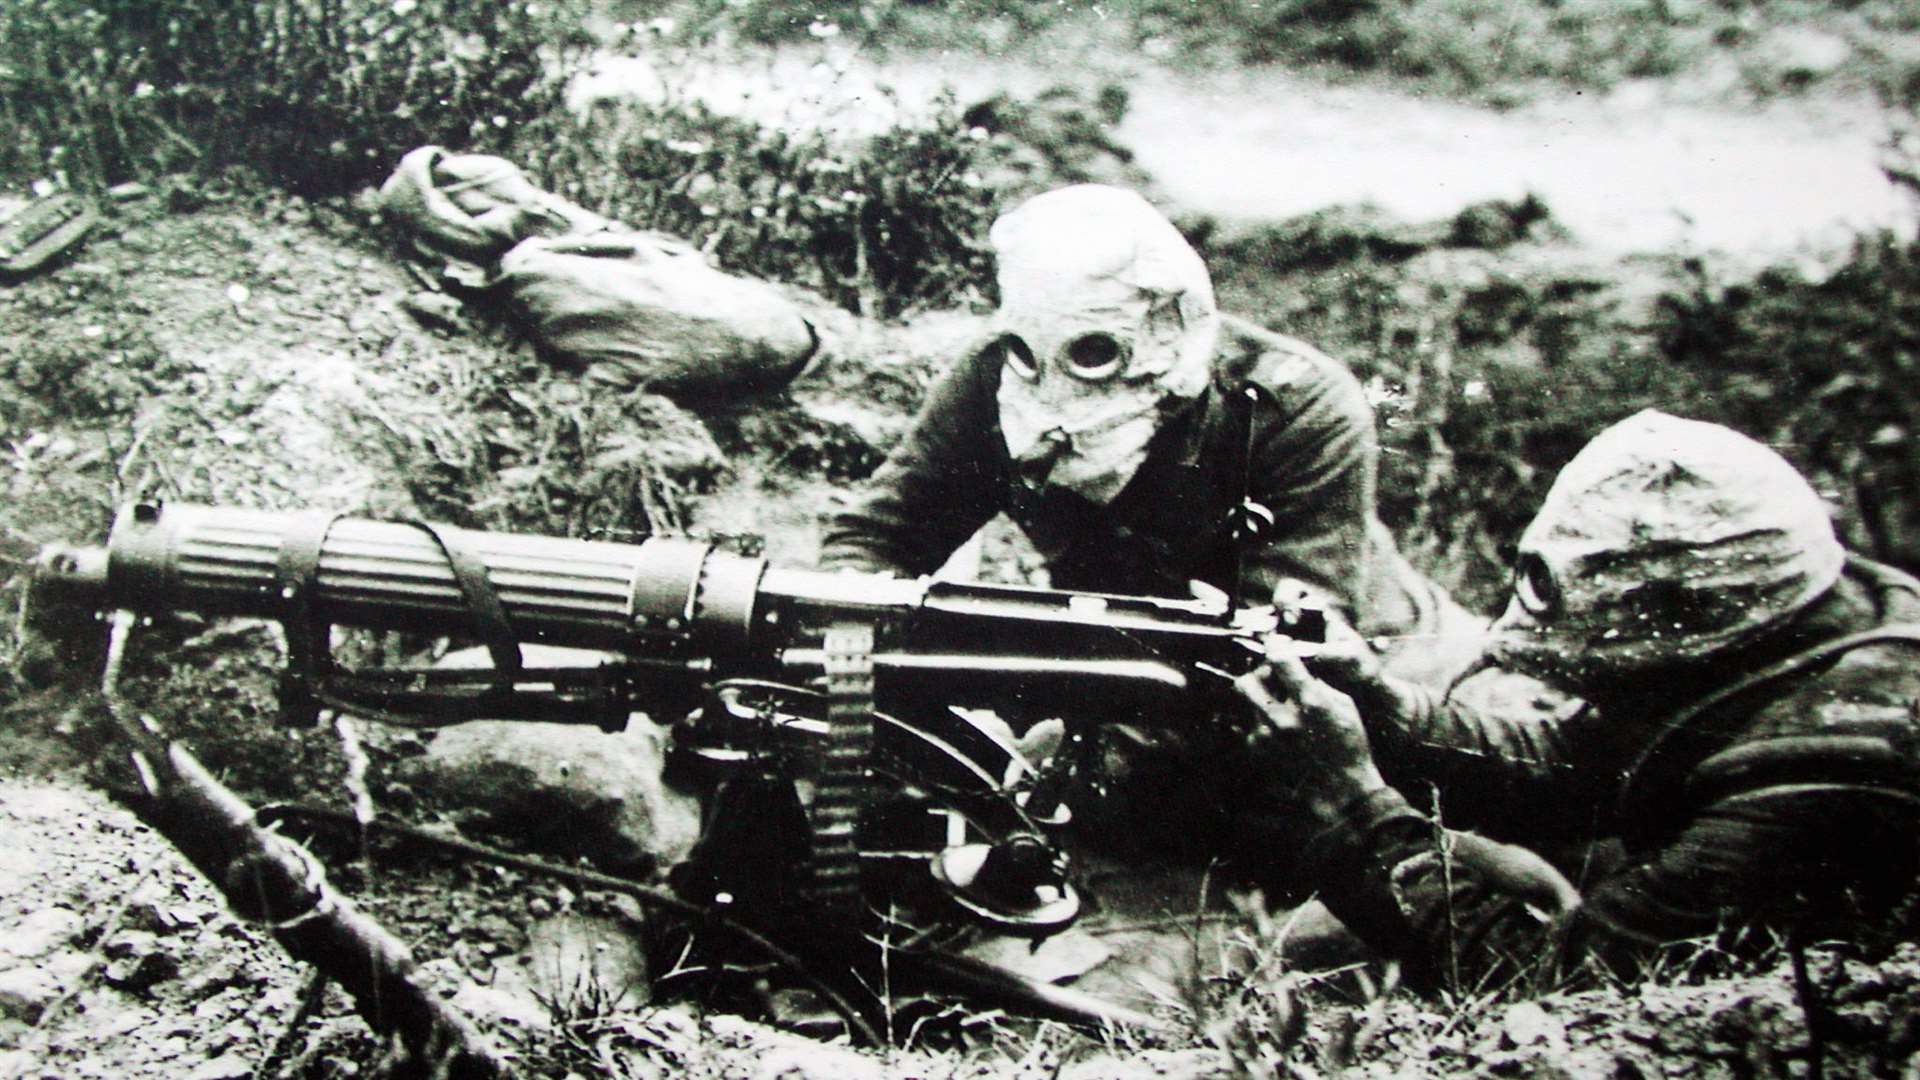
x=1626, y=171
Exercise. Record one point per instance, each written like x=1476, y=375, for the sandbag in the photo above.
x=646, y=311
x=475, y=207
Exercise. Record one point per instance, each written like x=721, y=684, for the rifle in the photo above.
x=852, y=733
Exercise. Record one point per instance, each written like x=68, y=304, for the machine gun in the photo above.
x=853, y=734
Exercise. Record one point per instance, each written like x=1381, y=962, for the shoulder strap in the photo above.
x=1247, y=522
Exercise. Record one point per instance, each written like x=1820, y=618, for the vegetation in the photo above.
x=316, y=95
x=1488, y=374
x=879, y=226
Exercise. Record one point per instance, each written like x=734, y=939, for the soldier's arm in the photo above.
x=1463, y=913
x=1503, y=751
x=1540, y=769
x=944, y=480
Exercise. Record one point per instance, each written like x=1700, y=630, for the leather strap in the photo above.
x=1687, y=739
x=310, y=664
x=491, y=624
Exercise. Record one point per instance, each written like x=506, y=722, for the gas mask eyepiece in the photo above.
x=1107, y=314
x=1095, y=357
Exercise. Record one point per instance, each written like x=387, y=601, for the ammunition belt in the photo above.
x=845, y=784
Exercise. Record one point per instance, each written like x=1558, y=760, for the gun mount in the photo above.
x=854, y=734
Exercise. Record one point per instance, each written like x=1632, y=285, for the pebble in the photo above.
x=137, y=974
x=43, y=931
x=131, y=943
x=25, y=992
x=500, y=1005
x=224, y=1067
x=1526, y=1023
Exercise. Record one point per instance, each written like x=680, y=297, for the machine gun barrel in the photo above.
x=658, y=597
x=390, y=575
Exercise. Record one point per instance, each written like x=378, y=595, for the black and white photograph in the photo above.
x=902, y=540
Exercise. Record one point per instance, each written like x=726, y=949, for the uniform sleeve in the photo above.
x=944, y=481
x=1509, y=764
x=1312, y=464
x=1463, y=913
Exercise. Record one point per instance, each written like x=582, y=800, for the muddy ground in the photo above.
x=216, y=345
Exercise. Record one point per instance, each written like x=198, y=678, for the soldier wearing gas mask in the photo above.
x=1749, y=750
x=1138, y=448
x=1142, y=450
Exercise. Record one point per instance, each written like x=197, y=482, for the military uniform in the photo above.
x=1754, y=763
x=1303, y=447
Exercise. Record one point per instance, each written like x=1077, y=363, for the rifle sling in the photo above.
x=491, y=624
x=310, y=663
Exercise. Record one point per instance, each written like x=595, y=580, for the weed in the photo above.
x=320, y=96
x=879, y=226
x=1824, y=372
x=516, y=446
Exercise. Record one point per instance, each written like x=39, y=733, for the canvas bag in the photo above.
x=646, y=311
x=474, y=207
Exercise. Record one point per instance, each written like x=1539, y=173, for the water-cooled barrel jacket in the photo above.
x=1310, y=460
x=1796, y=799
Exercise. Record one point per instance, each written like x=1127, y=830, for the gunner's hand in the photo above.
x=1311, y=727
x=1347, y=660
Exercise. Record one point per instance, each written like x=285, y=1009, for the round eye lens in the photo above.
x=1533, y=584
x=1094, y=356
x=1019, y=357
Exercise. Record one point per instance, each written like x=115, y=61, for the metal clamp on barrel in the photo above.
x=296, y=575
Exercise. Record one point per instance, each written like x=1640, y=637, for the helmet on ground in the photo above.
x=1105, y=314
x=1663, y=542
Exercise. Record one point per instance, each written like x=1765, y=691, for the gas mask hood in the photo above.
x=1664, y=542
x=1106, y=314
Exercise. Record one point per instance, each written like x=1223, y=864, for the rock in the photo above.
x=565, y=790
x=67, y=966
x=42, y=932
x=499, y=1005
x=228, y=1066
x=167, y=918
x=130, y=943
x=1527, y=1023
x=25, y=992
x=138, y=974
x=1064, y=956
x=575, y=967
x=1802, y=54
x=436, y=310
x=775, y=1055
x=584, y=956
